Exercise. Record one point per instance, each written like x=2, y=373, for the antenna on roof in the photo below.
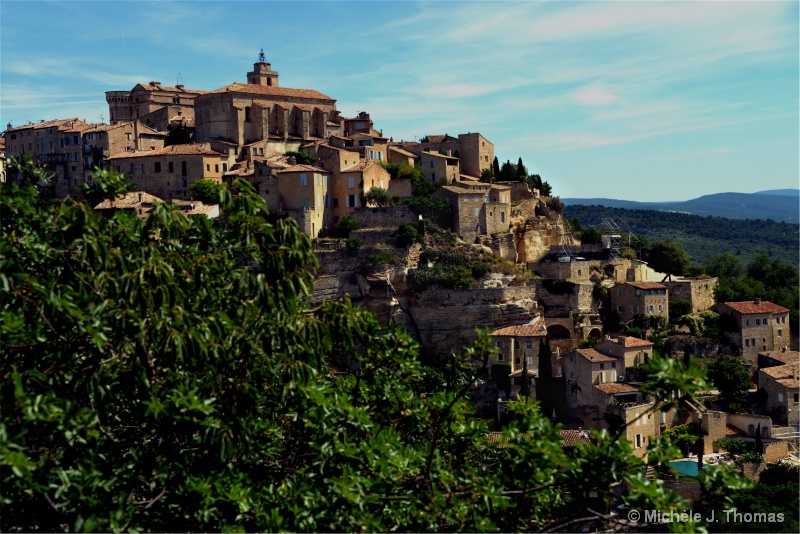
x=261, y=57
x=179, y=79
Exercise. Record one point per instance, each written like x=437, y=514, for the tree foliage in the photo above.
x=668, y=257
x=165, y=374
x=730, y=377
x=301, y=157
x=377, y=196
x=179, y=135
x=206, y=191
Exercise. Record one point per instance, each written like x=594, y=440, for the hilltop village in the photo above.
x=426, y=235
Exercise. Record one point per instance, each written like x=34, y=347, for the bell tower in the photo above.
x=262, y=74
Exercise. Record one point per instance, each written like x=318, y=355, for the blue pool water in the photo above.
x=685, y=467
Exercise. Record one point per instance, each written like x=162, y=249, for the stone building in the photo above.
x=304, y=195
x=631, y=350
x=757, y=326
x=698, y=291
x=782, y=385
x=168, y=172
x=630, y=299
x=518, y=344
x=435, y=167
x=479, y=209
x=141, y=102
x=2, y=160
x=474, y=151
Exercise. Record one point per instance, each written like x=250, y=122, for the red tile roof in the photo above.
x=785, y=356
x=166, y=88
x=615, y=387
x=535, y=328
x=47, y=124
x=402, y=152
x=270, y=90
x=628, y=342
x=646, y=285
x=182, y=150
x=574, y=437
x=594, y=356
x=302, y=168
x=789, y=370
x=751, y=307
x=132, y=200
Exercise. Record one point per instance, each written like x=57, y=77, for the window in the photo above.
x=613, y=365
x=335, y=202
x=530, y=360
x=797, y=397
x=636, y=309
x=351, y=182
x=319, y=179
x=216, y=167
x=144, y=168
x=780, y=397
x=433, y=164
x=304, y=202
x=170, y=167
x=303, y=178
x=157, y=166
x=183, y=168
x=661, y=307
x=528, y=345
x=621, y=309
x=622, y=292
x=499, y=344
x=133, y=168
x=758, y=322
x=128, y=137
x=638, y=441
x=477, y=211
x=247, y=114
x=746, y=342
x=208, y=167
x=747, y=322
x=780, y=333
x=602, y=366
x=224, y=167
x=650, y=308
x=352, y=201
x=433, y=177
x=516, y=360
x=371, y=154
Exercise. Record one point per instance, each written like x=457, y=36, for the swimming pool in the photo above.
x=686, y=467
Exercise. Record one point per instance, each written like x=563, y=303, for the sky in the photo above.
x=648, y=101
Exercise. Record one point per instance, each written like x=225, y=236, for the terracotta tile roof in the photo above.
x=166, y=88
x=460, y=190
x=497, y=437
x=45, y=124
x=402, y=152
x=132, y=200
x=573, y=438
x=535, y=328
x=194, y=207
x=468, y=178
x=440, y=138
x=646, y=285
x=500, y=187
x=788, y=370
x=302, y=168
x=270, y=90
x=616, y=387
x=628, y=342
x=595, y=356
x=790, y=383
x=730, y=431
x=750, y=307
x=77, y=128
x=785, y=356
x=172, y=150
x=360, y=166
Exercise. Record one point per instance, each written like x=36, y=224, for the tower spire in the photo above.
x=261, y=57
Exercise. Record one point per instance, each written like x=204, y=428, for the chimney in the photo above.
x=291, y=160
x=155, y=84
x=621, y=340
x=757, y=302
x=783, y=349
x=140, y=197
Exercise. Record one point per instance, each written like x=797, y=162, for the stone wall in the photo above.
x=698, y=291
x=389, y=217
x=401, y=188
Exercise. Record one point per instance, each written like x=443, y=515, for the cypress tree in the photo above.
x=525, y=390
x=522, y=173
x=543, y=388
x=496, y=168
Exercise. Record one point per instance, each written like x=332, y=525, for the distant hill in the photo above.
x=778, y=205
x=781, y=192
x=702, y=237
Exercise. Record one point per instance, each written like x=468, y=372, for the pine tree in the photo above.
x=522, y=172
x=496, y=168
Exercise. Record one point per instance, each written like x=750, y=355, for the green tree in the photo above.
x=545, y=378
x=179, y=135
x=165, y=374
x=301, y=157
x=525, y=385
x=346, y=225
x=731, y=379
x=105, y=186
x=408, y=234
x=668, y=257
x=206, y=191
x=545, y=189
x=487, y=176
x=378, y=197
x=522, y=172
x=496, y=168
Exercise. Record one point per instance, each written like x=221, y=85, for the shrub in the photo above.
x=679, y=307
x=589, y=343
x=353, y=244
x=733, y=445
x=750, y=456
x=380, y=258
x=558, y=287
x=301, y=157
x=346, y=225
x=206, y=191
x=408, y=234
x=379, y=197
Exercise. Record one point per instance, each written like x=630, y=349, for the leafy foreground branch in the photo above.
x=153, y=379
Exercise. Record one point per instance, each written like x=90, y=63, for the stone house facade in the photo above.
x=146, y=98
x=782, y=385
x=304, y=195
x=630, y=299
x=517, y=344
x=698, y=291
x=435, y=167
x=478, y=208
x=168, y=172
x=475, y=152
x=758, y=326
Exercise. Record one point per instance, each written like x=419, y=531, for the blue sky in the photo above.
x=649, y=101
